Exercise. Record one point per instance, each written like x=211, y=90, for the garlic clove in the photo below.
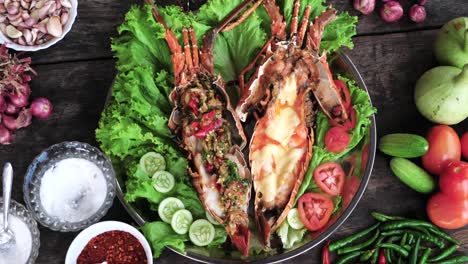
x=12, y=9
x=27, y=35
x=6, y=2
x=54, y=27
x=3, y=18
x=52, y=7
x=3, y=28
x=40, y=3
x=41, y=27
x=33, y=4
x=21, y=41
x=12, y=32
x=25, y=4
x=2, y=8
x=16, y=22
x=30, y=22
x=64, y=18
x=66, y=3
x=34, y=34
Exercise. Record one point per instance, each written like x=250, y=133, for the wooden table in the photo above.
x=77, y=73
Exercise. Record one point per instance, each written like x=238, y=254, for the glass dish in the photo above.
x=49, y=157
x=24, y=215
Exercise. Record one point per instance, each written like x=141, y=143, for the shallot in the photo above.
x=364, y=6
x=391, y=11
x=41, y=108
x=417, y=13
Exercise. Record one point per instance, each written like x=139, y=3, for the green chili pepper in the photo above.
x=410, y=239
x=367, y=255
x=359, y=246
x=446, y=253
x=414, y=254
x=455, y=260
x=425, y=256
x=349, y=257
x=397, y=248
x=374, y=257
x=347, y=240
x=443, y=235
x=383, y=218
x=412, y=233
x=396, y=224
x=388, y=256
x=403, y=240
x=393, y=239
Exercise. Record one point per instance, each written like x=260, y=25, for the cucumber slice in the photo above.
x=168, y=207
x=211, y=219
x=152, y=162
x=293, y=219
x=163, y=181
x=181, y=221
x=201, y=232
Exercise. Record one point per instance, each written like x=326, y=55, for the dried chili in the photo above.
x=114, y=247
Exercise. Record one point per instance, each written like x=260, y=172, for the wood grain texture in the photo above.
x=390, y=65
x=98, y=19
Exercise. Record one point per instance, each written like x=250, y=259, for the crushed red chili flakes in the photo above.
x=114, y=247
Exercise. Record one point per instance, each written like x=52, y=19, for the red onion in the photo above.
x=41, y=108
x=417, y=13
x=9, y=122
x=364, y=6
x=3, y=104
x=391, y=11
x=422, y=2
x=11, y=109
x=19, y=100
x=5, y=135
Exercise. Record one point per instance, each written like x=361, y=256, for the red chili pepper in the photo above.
x=194, y=105
x=326, y=253
x=382, y=259
x=204, y=130
x=209, y=116
x=195, y=125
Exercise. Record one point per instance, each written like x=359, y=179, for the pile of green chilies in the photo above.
x=398, y=240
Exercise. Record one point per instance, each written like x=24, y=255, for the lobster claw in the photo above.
x=239, y=232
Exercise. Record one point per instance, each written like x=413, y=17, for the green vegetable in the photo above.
x=455, y=260
x=435, y=230
x=348, y=258
x=446, y=253
x=382, y=218
x=211, y=219
x=160, y=235
x=181, y=221
x=152, y=162
x=412, y=234
x=348, y=240
x=168, y=207
x=293, y=219
x=395, y=224
x=414, y=253
x=425, y=256
x=451, y=45
x=163, y=181
x=403, y=145
x=288, y=235
x=397, y=248
x=412, y=175
x=441, y=94
x=201, y=232
x=359, y=246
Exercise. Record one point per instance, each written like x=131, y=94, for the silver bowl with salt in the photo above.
x=69, y=186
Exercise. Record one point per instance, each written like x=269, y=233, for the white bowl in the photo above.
x=86, y=235
x=71, y=19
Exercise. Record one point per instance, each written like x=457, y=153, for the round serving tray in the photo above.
x=342, y=64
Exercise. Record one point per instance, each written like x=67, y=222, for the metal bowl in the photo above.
x=343, y=65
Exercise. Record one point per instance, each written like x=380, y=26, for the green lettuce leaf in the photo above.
x=161, y=235
x=288, y=235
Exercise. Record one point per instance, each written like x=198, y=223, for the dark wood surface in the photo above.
x=77, y=73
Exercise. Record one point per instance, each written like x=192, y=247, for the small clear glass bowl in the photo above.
x=48, y=158
x=24, y=215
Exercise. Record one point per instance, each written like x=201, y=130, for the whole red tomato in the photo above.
x=444, y=146
x=464, y=145
x=454, y=180
x=447, y=212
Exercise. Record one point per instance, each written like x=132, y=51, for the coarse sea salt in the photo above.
x=73, y=190
x=19, y=253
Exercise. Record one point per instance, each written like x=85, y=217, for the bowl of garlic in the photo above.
x=30, y=25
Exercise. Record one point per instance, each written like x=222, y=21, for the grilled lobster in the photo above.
x=209, y=130
x=289, y=77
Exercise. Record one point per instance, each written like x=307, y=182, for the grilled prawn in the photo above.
x=210, y=132
x=287, y=82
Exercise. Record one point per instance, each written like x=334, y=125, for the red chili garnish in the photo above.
x=113, y=247
x=194, y=125
x=209, y=167
x=218, y=186
x=326, y=253
x=204, y=130
x=194, y=105
x=382, y=259
x=209, y=116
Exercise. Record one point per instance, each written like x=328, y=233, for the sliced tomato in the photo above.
x=349, y=124
x=344, y=92
x=364, y=157
x=337, y=139
x=315, y=210
x=350, y=189
x=330, y=178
